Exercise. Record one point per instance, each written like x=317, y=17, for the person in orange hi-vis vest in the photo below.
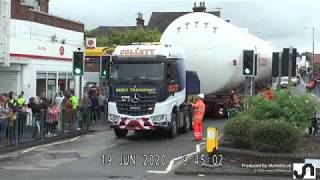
x=199, y=109
x=268, y=93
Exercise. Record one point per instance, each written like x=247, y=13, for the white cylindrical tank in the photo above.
x=214, y=49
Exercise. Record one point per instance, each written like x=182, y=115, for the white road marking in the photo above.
x=169, y=168
x=56, y=143
x=204, y=139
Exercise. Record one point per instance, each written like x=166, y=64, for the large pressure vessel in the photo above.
x=214, y=49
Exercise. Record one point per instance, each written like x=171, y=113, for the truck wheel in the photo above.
x=120, y=132
x=173, y=131
x=187, y=122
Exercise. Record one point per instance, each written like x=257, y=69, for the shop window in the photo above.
x=62, y=82
x=41, y=84
x=51, y=84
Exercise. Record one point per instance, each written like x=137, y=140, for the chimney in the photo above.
x=140, y=20
x=200, y=8
x=44, y=6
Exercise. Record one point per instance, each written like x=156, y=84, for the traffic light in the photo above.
x=248, y=63
x=78, y=63
x=104, y=67
x=275, y=64
x=294, y=62
x=255, y=64
x=286, y=60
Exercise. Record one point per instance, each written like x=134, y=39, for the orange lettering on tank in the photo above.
x=137, y=52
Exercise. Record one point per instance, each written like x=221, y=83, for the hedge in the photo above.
x=238, y=129
x=274, y=136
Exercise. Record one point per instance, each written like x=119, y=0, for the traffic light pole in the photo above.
x=290, y=65
x=251, y=85
x=80, y=89
x=280, y=70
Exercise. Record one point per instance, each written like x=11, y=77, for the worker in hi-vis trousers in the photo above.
x=199, y=109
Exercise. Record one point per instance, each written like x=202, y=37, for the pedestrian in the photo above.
x=268, y=93
x=74, y=100
x=75, y=104
x=86, y=101
x=3, y=119
x=21, y=116
x=69, y=113
x=44, y=101
x=53, y=116
x=101, y=105
x=11, y=130
x=11, y=101
x=94, y=107
x=235, y=100
x=59, y=99
x=199, y=110
x=21, y=101
x=35, y=107
x=318, y=85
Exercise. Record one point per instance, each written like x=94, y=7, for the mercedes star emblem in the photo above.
x=135, y=98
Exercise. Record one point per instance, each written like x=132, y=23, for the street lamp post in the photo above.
x=312, y=65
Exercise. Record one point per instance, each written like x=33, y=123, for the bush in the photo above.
x=262, y=108
x=294, y=109
x=238, y=129
x=274, y=136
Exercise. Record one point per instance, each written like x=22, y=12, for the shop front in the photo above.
x=50, y=83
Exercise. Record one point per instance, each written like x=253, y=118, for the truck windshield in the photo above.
x=152, y=72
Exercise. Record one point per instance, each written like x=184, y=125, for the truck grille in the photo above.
x=144, y=106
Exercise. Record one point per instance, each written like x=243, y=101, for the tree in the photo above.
x=126, y=36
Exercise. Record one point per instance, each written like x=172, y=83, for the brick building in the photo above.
x=37, y=56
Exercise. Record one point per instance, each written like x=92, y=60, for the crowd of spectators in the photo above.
x=38, y=114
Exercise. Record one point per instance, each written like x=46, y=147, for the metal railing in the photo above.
x=28, y=127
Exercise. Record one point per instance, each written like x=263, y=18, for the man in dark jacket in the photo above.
x=35, y=108
x=94, y=107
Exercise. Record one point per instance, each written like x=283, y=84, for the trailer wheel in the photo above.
x=173, y=131
x=120, y=132
x=187, y=122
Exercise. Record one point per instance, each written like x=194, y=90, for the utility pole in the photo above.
x=312, y=53
x=312, y=65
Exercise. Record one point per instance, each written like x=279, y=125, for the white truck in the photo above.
x=148, y=90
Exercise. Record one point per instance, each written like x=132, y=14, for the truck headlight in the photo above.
x=114, y=118
x=159, y=118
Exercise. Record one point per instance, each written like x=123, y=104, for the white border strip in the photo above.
x=169, y=168
x=56, y=143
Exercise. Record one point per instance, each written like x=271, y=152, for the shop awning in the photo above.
x=98, y=51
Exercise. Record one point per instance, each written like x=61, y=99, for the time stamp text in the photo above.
x=127, y=160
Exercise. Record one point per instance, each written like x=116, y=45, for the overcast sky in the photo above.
x=281, y=22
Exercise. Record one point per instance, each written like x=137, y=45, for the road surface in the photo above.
x=89, y=157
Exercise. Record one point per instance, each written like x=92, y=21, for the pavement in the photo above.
x=100, y=155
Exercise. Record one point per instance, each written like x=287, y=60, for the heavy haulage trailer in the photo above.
x=150, y=83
